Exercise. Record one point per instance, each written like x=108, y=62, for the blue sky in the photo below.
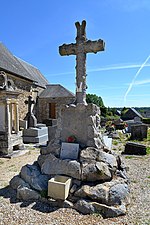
x=34, y=29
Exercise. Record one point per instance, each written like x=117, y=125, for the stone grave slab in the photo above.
x=69, y=150
x=132, y=148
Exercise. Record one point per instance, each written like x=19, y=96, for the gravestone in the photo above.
x=139, y=131
x=35, y=133
x=31, y=119
x=132, y=148
x=69, y=151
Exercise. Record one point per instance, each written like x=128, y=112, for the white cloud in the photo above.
x=117, y=67
x=141, y=82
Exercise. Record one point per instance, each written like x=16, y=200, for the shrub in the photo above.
x=146, y=120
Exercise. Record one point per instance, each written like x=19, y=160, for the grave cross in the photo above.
x=31, y=119
x=80, y=49
x=30, y=102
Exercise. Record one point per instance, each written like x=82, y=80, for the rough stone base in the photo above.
x=82, y=122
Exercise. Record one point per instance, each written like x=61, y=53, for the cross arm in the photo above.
x=69, y=49
x=94, y=46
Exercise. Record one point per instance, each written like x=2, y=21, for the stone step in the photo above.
x=34, y=131
x=38, y=139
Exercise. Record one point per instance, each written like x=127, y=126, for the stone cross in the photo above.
x=80, y=49
x=31, y=119
x=30, y=102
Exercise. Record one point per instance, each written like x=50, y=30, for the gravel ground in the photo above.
x=15, y=212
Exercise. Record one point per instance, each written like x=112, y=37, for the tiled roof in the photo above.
x=18, y=67
x=56, y=91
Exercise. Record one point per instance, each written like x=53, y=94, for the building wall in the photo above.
x=43, y=106
x=25, y=88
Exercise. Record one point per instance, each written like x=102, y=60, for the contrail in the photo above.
x=131, y=84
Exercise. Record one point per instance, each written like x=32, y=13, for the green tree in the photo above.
x=92, y=98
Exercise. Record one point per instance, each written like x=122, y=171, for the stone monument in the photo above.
x=92, y=180
x=81, y=120
x=10, y=136
x=35, y=133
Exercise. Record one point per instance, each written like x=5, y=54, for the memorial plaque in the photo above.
x=69, y=151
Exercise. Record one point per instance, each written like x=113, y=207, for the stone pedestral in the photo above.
x=35, y=135
x=81, y=121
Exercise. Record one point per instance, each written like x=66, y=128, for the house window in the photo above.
x=52, y=110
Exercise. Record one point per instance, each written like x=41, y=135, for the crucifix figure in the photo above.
x=31, y=119
x=80, y=49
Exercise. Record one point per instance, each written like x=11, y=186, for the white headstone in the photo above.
x=108, y=142
x=69, y=150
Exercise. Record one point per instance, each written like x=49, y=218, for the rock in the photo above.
x=25, y=194
x=73, y=188
x=114, y=192
x=84, y=207
x=87, y=207
x=32, y=175
x=41, y=159
x=16, y=181
x=52, y=147
x=53, y=165
x=107, y=158
x=99, y=192
x=91, y=154
x=94, y=172
x=118, y=193
x=109, y=211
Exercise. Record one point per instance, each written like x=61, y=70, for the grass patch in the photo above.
x=1, y=162
x=148, y=177
x=115, y=142
x=148, y=150
x=129, y=157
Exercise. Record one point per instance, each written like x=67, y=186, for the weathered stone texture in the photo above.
x=82, y=121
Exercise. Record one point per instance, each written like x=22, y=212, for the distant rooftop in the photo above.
x=11, y=64
x=56, y=91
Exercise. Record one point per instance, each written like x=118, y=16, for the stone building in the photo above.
x=50, y=100
x=18, y=81
x=22, y=77
x=130, y=114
